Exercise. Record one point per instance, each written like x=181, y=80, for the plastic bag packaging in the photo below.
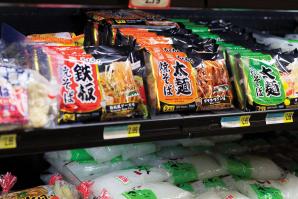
x=149, y=160
x=284, y=188
x=221, y=194
x=203, y=186
x=225, y=138
x=174, y=152
x=91, y=170
x=131, y=151
x=52, y=39
x=160, y=190
x=114, y=184
x=167, y=143
x=78, y=155
x=251, y=167
x=230, y=148
x=103, y=154
x=193, y=168
x=196, y=142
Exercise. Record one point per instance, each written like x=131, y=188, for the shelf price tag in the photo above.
x=279, y=118
x=8, y=141
x=149, y=4
x=123, y=131
x=235, y=121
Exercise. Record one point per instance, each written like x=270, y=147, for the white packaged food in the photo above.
x=131, y=151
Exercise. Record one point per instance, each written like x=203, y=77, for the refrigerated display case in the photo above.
x=41, y=16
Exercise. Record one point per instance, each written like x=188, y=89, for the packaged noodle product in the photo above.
x=221, y=194
x=97, y=83
x=160, y=190
x=287, y=64
x=102, y=154
x=173, y=152
x=284, y=188
x=203, y=186
x=52, y=39
x=114, y=184
x=193, y=168
x=257, y=81
x=131, y=151
x=251, y=167
x=171, y=81
x=77, y=155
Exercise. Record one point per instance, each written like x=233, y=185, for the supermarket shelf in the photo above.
x=162, y=127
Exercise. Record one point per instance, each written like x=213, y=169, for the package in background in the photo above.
x=121, y=79
x=14, y=110
x=257, y=81
x=80, y=96
x=102, y=25
x=287, y=65
x=171, y=82
x=54, y=39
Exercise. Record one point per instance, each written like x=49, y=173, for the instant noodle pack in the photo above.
x=130, y=64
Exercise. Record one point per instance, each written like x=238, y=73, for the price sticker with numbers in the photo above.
x=8, y=141
x=279, y=118
x=235, y=121
x=149, y=4
x=123, y=131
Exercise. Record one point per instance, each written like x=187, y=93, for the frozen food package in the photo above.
x=257, y=82
x=221, y=194
x=90, y=170
x=77, y=155
x=52, y=39
x=203, y=186
x=14, y=103
x=107, y=153
x=214, y=87
x=171, y=81
x=160, y=190
x=131, y=151
x=230, y=148
x=287, y=64
x=251, y=167
x=173, y=152
x=148, y=160
x=193, y=168
x=283, y=188
x=115, y=183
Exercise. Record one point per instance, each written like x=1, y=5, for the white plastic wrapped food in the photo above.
x=193, y=168
x=148, y=160
x=114, y=184
x=222, y=194
x=91, y=170
x=230, y=148
x=225, y=138
x=251, y=167
x=70, y=155
x=131, y=151
x=174, y=152
x=167, y=143
x=203, y=186
x=284, y=188
x=196, y=142
x=160, y=190
x=103, y=154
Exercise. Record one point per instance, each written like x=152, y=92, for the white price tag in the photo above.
x=235, y=121
x=149, y=4
x=279, y=118
x=124, y=131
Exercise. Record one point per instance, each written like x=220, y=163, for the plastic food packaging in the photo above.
x=160, y=190
x=52, y=39
x=230, y=148
x=132, y=151
x=149, y=160
x=7, y=181
x=97, y=83
x=174, y=152
x=78, y=155
x=193, y=168
x=221, y=194
x=284, y=188
x=114, y=184
x=251, y=167
x=107, y=153
x=196, y=142
x=203, y=186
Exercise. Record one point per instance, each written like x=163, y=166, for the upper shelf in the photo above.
x=167, y=126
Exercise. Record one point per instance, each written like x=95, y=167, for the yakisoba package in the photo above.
x=97, y=83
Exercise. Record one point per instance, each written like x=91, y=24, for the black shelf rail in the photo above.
x=161, y=127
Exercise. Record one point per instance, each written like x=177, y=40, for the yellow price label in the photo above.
x=288, y=117
x=244, y=120
x=134, y=130
x=8, y=141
